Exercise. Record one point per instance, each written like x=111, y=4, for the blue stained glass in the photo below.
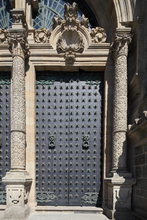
x=5, y=20
x=47, y=10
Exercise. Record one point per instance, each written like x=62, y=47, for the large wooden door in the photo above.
x=68, y=138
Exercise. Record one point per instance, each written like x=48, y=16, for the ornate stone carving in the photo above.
x=70, y=41
x=2, y=36
x=18, y=17
x=71, y=36
x=17, y=42
x=98, y=35
x=120, y=50
x=15, y=196
x=42, y=36
x=121, y=42
x=70, y=21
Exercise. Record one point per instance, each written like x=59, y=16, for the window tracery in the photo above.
x=5, y=19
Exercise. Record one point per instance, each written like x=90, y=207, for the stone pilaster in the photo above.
x=17, y=179
x=119, y=185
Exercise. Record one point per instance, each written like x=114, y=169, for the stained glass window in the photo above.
x=5, y=20
x=50, y=8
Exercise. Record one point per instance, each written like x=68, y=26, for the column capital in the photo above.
x=17, y=41
x=123, y=38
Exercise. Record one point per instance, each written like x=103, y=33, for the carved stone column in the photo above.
x=17, y=179
x=120, y=100
x=119, y=185
x=18, y=116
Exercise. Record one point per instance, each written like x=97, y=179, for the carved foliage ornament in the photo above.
x=18, y=45
x=120, y=45
x=42, y=35
x=98, y=35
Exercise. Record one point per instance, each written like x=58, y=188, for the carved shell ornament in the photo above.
x=71, y=40
x=70, y=43
x=70, y=36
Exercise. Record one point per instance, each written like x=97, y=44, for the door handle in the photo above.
x=85, y=144
x=51, y=144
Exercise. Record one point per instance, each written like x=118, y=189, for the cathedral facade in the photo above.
x=73, y=106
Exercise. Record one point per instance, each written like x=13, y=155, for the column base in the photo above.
x=117, y=201
x=18, y=185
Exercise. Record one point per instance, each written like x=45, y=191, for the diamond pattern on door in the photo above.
x=68, y=138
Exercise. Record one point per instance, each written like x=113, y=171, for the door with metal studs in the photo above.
x=4, y=131
x=68, y=138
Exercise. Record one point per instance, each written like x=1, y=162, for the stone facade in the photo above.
x=117, y=48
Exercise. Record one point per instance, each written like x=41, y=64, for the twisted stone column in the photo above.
x=120, y=100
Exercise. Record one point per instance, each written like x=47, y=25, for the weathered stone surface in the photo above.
x=120, y=49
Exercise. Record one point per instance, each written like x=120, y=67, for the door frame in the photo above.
x=31, y=121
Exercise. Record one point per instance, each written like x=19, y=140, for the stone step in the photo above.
x=66, y=216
